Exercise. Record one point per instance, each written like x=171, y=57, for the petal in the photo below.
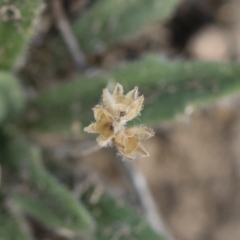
x=97, y=111
x=141, y=131
x=90, y=128
x=131, y=143
x=104, y=128
x=108, y=100
x=118, y=90
x=106, y=117
x=119, y=140
x=120, y=110
x=133, y=94
x=123, y=100
x=104, y=121
x=101, y=113
x=103, y=141
x=134, y=108
x=139, y=152
x=120, y=107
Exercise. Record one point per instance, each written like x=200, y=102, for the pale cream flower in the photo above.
x=122, y=107
x=128, y=142
x=116, y=110
x=103, y=126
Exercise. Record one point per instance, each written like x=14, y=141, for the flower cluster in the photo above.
x=112, y=115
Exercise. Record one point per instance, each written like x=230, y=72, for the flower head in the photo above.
x=129, y=144
x=111, y=117
x=122, y=107
x=103, y=126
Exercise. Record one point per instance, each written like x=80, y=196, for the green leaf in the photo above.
x=108, y=21
x=103, y=23
x=11, y=97
x=117, y=221
x=168, y=88
x=47, y=200
x=9, y=229
x=15, y=30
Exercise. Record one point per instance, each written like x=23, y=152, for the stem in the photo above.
x=152, y=214
x=67, y=34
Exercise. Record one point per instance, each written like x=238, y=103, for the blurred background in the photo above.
x=56, y=57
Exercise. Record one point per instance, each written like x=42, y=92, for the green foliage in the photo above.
x=49, y=202
x=115, y=220
x=167, y=86
x=15, y=31
x=9, y=229
x=11, y=97
x=56, y=214
x=46, y=199
x=108, y=21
